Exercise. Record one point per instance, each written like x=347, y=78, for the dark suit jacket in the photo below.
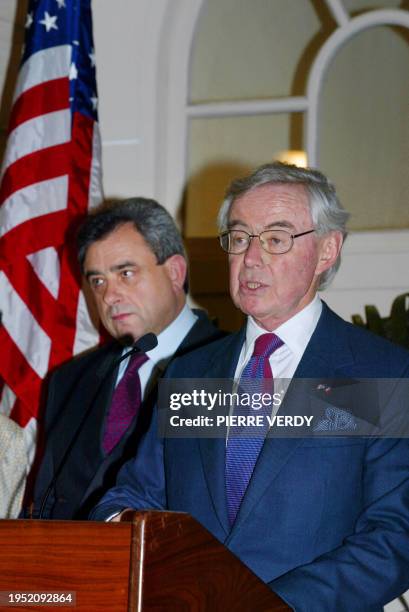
x=87, y=472
x=324, y=521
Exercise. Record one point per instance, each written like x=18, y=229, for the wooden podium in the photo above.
x=162, y=561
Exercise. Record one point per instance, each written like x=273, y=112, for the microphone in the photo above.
x=144, y=344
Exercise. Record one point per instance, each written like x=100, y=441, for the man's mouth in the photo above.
x=251, y=285
x=120, y=316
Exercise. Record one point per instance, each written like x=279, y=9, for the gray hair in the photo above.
x=327, y=212
x=149, y=218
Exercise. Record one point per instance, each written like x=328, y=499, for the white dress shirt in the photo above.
x=168, y=342
x=295, y=333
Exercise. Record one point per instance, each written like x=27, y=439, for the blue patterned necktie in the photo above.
x=126, y=401
x=244, y=444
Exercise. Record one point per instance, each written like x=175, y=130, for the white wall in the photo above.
x=126, y=36
x=374, y=270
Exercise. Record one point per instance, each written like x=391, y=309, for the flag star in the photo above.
x=49, y=22
x=94, y=102
x=76, y=43
x=61, y=3
x=92, y=58
x=29, y=20
x=73, y=72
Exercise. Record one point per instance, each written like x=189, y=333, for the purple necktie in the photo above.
x=126, y=400
x=244, y=444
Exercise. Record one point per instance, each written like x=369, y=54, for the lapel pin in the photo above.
x=324, y=388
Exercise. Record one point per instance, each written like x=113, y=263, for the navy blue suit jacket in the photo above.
x=324, y=521
x=89, y=380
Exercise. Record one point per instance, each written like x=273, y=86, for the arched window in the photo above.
x=329, y=77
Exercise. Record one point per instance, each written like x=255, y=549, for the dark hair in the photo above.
x=327, y=212
x=148, y=217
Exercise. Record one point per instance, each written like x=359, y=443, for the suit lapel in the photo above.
x=94, y=387
x=202, y=332
x=326, y=353
x=99, y=394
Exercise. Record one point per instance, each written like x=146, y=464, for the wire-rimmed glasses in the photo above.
x=273, y=241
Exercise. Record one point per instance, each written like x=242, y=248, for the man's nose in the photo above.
x=112, y=293
x=254, y=256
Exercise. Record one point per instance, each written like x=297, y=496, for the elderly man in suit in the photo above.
x=133, y=260
x=323, y=520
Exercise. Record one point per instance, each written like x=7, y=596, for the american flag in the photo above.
x=51, y=175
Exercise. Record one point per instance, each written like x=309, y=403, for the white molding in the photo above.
x=338, y=11
x=122, y=142
x=174, y=111
x=380, y=242
x=292, y=104
x=323, y=60
x=177, y=33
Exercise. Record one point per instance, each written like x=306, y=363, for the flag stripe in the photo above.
x=33, y=236
x=95, y=183
x=64, y=331
x=82, y=138
x=36, y=134
x=82, y=135
x=39, y=166
x=44, y=65
x=43, y=98
x=32, y=291
x=22, y=380
x=8, y=397
x=20, y=324
x=86, y=333
x=33, y=201
x=46, y=265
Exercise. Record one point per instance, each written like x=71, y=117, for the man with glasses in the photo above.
x=323, y=520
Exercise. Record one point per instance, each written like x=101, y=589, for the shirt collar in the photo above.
x=171, y=337
x=295, y=333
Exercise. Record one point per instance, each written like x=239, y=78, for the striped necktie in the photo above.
x=126, y=401
x=244, y=444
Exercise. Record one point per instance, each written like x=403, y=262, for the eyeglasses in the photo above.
x=273, y=241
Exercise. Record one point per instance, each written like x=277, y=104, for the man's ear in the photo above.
x=330, y=247
x=177, y=269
